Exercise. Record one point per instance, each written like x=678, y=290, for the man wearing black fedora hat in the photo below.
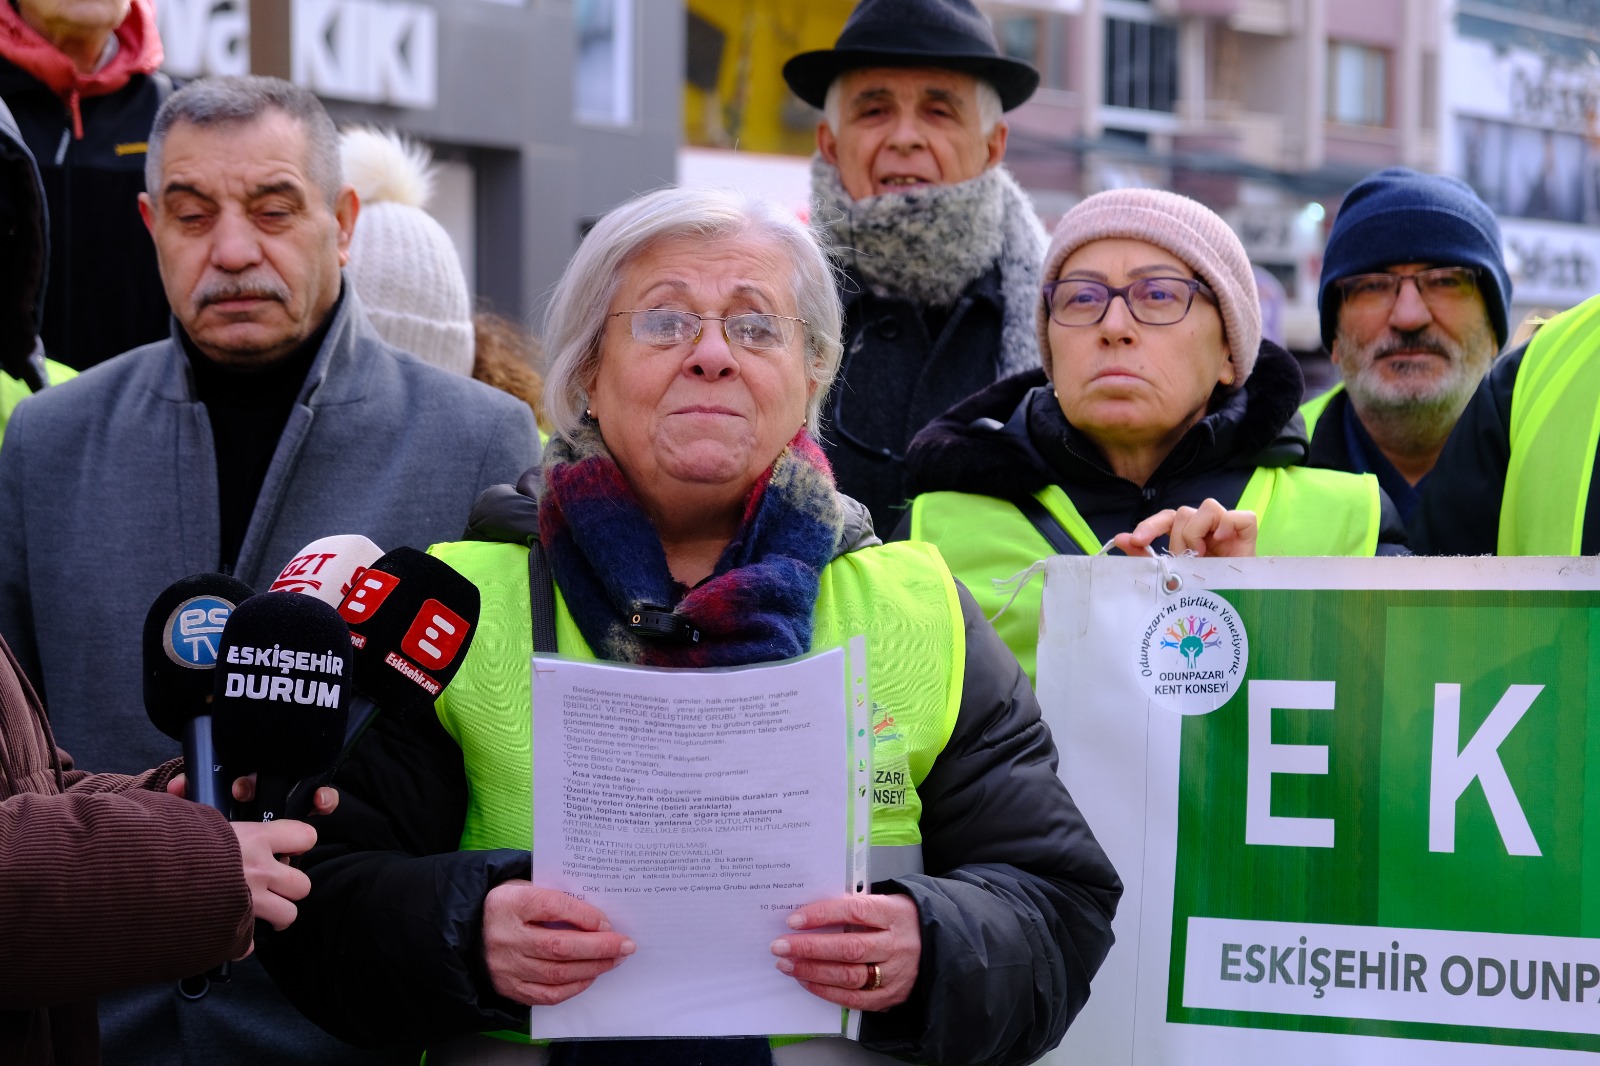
x=939, y=246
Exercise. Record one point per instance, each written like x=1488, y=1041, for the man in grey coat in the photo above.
x=273, y=416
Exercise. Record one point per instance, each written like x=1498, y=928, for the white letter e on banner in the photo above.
x=1261, y=826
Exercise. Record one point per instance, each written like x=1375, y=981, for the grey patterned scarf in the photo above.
x=929, y=243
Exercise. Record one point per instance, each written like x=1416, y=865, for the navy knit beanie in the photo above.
x=1400, y=215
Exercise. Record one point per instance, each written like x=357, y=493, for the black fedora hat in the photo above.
x=913, y=33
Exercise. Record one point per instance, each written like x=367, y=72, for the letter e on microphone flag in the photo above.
x=435, y=636
x=367, y=595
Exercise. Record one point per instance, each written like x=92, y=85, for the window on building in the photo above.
x=1019, y=36
x=1358, y=85
x=1037, y=39
x=1559, y=29
x=603, y=73
x=1141, y=59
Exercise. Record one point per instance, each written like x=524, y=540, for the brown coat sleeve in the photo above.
x=103, y=883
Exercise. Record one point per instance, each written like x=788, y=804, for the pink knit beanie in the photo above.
x=1189, y=230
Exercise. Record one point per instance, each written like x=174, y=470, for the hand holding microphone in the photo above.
x=182, y=632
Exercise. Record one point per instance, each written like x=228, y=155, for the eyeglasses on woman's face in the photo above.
x=662, y=328
x=1152, y=301
x=1440, y=288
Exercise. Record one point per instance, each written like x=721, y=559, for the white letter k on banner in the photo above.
x=1455, y=767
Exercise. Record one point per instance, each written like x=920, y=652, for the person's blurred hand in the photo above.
x=274, y=884
x=839, y=965
x=326, y=800
x=542, y=946
x=1210, y=529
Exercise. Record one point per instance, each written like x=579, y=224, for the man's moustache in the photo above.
x=1411, y=343
x=240, y=291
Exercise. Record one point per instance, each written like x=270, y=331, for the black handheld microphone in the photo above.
x=282, y=695
x=182, y=634
x=412, y=618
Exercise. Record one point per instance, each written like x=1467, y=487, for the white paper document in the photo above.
x=697, y=809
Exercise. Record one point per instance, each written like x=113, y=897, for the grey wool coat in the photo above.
x=108, y=486
x=108, y=494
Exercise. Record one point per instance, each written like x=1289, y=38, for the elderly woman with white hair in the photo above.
x=1159, y=418
x=694, y=334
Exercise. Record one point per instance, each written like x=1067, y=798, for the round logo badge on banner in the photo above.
x=1191, y=654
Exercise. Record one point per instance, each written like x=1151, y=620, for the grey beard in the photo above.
x=926, y=244
x=1420, y=417
x=1410, y=424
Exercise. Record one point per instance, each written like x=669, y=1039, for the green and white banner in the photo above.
x=1355, y=803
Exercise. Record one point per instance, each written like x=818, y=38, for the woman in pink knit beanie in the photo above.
x=1160, y=419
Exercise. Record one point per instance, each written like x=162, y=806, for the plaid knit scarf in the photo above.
x=609, y=564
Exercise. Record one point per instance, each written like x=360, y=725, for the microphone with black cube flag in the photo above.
x=412, y=619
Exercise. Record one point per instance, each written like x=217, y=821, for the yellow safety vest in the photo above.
x=13, y=392
x=1312, y=409
x=1555, y=429
x=901, y=596
x=1299, y=511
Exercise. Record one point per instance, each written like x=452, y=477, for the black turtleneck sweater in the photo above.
x=248, y=408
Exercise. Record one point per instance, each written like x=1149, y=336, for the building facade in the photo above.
x=1522, y=92
x=542, y=113
x=1265, y=110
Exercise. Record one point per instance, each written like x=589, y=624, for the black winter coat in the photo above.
x=1016, y=904
x=104, y=294
x=1012, y=440
x=1460, y=509
x=903, y=366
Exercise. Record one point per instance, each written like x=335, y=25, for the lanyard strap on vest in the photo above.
x=1050, y=529
x=542, y=599
x=1555, y=428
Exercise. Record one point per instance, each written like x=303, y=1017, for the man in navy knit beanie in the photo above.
x=1414, y=302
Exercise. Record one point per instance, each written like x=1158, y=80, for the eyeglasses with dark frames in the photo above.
x=1439, y=288
x=662, y=328
x=1152, y=301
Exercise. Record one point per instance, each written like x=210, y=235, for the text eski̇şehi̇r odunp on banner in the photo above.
x=1355, y=803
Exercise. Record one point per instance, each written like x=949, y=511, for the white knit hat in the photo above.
x=402, y=263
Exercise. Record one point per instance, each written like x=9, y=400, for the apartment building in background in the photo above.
x=1522, y=125
x=1266, y=110
x=545, y=113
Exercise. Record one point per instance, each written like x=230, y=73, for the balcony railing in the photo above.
x=1252, y=136
x=1272, y=17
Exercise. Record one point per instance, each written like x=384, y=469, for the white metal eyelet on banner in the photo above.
x=1171, y=581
